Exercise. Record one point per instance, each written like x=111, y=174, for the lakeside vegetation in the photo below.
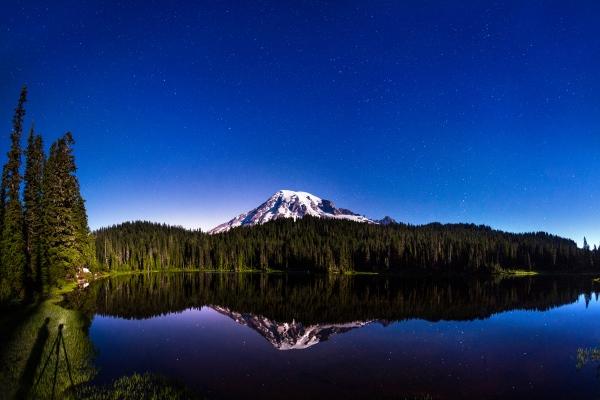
x=135, y=387
x=516, y=272
x=320, y=245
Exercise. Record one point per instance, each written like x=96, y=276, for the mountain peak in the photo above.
x=387, y=220
x=293, y=204
x=290, y=193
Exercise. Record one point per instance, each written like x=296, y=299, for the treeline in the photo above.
x=338, y=246
x=44, y=234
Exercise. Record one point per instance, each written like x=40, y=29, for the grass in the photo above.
x=359, y=273
x=587, y=355
x=45, y=350
x=134, y=387
x=168, y=270
x=63, y=287
x=517, y=272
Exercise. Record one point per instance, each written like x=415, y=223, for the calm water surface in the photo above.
x=302, y=336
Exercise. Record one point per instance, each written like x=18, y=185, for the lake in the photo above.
x=305, y=336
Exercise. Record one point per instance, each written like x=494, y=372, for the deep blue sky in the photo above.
x=191, y=112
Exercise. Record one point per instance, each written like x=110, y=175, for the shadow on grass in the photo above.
x=33, y=361
x=14, y=318
x=57, y=345
x=45, y=352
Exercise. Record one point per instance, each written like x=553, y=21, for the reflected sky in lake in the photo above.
x=523, y=351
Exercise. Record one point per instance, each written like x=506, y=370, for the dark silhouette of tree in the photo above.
x=33, y=211
x=66, y=234
x=12, y=246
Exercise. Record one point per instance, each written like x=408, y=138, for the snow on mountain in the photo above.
x=289, y=335
x=290, y=204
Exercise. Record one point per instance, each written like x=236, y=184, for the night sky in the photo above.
x=192, y=112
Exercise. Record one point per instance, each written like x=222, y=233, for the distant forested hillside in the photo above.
x=323, y=245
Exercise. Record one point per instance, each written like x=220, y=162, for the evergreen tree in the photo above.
x=12, y=246
x=33, y=212
x=67, y=240
x=59, y=232
x=86, y=243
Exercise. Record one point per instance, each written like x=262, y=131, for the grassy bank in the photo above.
x=135, y=387
x=45, y=349
x=516, y=272
x=108, y=274
x=359, y=273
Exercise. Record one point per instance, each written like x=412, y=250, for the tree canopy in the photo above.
x=313, y=244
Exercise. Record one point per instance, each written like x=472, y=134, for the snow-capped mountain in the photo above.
x=289, y=335
x=290, y=204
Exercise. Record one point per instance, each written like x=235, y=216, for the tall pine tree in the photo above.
x=12, y=245
x=33, y=211
x=67, y=240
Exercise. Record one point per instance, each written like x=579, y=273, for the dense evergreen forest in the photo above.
x=44, y=234
x=313, y=244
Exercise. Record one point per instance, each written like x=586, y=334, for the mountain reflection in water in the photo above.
x=297, y=311
x=289, y=335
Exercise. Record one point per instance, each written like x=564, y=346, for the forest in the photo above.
x=321, y=245
x=44, y=233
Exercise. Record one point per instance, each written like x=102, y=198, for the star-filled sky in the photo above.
x=192, y=112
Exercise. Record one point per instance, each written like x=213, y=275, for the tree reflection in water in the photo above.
x=326, y=299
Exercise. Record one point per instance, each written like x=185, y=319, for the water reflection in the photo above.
x=289, y=335
x=352, y=336
x=299, y=311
